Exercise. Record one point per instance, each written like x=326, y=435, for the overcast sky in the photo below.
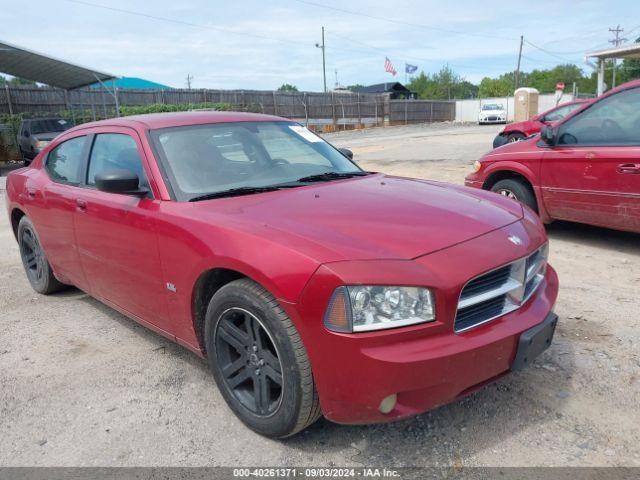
x=260, y=44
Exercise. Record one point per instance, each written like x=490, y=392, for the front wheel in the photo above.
x=516, y=190
x=515, y=137
x=258, y=361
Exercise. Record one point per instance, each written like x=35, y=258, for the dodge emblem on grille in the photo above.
x=515, y=240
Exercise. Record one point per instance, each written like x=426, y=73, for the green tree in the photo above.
x=443, y=85
x=630, y=69
x=286, y=87
x=495, y=87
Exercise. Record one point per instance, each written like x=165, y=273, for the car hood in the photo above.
x=511, y=148
x=373, y=217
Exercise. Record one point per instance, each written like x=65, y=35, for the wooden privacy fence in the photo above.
x=320, y=110
x=421, y=111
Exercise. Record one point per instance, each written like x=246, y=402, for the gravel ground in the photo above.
x=82, y=385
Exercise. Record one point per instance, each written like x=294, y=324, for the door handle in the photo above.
x=632, y=168
x=82, y=205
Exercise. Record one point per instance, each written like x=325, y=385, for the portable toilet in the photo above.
x=525, y=103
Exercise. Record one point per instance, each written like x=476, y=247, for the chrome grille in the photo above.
x=500, y=291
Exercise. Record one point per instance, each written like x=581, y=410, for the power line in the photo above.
x=182, y=22
x=548, y=52
x=402, y=22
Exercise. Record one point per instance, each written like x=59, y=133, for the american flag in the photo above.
x=388, y=66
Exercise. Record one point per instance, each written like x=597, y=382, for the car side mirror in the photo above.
x=346, y=152
x=548, y=135
x=120, y=181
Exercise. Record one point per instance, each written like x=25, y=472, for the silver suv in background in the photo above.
x=35, y=134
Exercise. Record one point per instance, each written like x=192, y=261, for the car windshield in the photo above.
x=492, y=106
x=49, y=125
x=561, y=112
x=210, y=159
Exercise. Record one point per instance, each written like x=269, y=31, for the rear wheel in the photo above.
x=34, y=260
x=516, y=190
x=515, y=137
x=258, y=361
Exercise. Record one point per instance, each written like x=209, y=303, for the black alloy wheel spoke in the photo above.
x=28, y=240
x=231, y=369
x=30, y=259
x=271, y=361
x=261, y=394
x=240, y=378
x=273, y=375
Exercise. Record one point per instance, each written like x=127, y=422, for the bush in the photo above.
x=126, y=110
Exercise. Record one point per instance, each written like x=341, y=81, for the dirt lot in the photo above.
x=82, y=385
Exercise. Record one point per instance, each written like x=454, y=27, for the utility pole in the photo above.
x=616, y=42
x=324, y=68
x=519, y=59
x=189, y=78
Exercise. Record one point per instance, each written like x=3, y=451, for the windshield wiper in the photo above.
x=326, y=176
x=234, y=192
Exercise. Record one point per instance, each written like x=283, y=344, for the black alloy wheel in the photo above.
x=34, y=260
x=249, y=361
x=259, y=361
x=32, y=256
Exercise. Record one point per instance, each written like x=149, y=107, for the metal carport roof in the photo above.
x=626, y=51
x=20, y=62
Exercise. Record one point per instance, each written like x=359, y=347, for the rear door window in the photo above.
x=65, y=162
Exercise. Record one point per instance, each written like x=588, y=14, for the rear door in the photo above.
x=116, y=233
x=51, y=206
x=592, y=175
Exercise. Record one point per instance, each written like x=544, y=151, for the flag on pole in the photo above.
x=410, y=68
x=388, y=67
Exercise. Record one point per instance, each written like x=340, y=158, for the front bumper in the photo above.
x=423, y=365
x=474, y=180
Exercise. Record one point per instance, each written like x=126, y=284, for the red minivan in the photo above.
x=584, y=169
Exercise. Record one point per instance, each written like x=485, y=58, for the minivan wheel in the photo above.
x=516, y=190
x=258, y=361
x=35, y=261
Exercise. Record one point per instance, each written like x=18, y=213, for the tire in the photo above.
x=515, y=137
x=250, y=342
x=517, y=190
x=35, y=261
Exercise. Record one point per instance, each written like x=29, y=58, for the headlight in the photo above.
x=477, y=166
x=359, y=308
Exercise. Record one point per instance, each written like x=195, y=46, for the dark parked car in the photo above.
x=35, y=134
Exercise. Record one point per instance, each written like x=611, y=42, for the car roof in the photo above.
x=153, y=121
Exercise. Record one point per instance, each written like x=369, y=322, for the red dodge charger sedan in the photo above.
x=311, y=286
x=585, y=169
